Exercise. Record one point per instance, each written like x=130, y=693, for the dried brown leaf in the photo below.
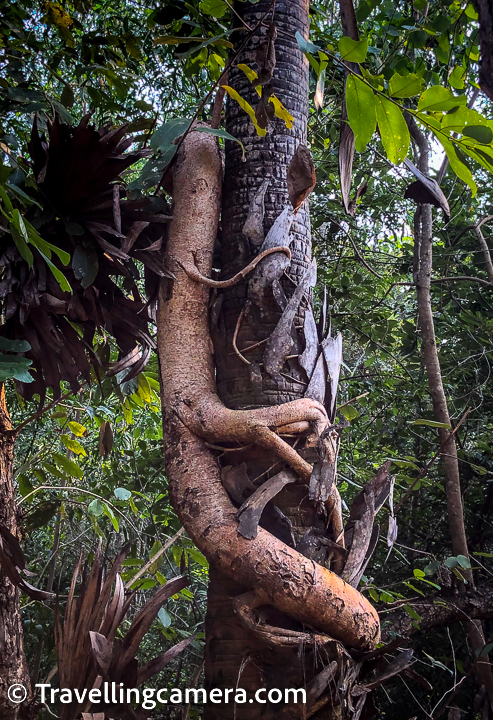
x=301, y=177
x=105, y=442
x=266, y=57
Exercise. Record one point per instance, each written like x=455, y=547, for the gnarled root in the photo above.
x=193, y=415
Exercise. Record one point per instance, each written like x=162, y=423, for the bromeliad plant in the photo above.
x=68, y=261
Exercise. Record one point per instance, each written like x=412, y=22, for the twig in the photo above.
x=481, y=281
x=424, y=471
x=348, y=402
x=155, y=557
x=235, y=337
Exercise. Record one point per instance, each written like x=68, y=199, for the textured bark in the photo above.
x=233, y=656
x=13, y=668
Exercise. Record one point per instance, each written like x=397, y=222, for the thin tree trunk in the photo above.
x=13, y=667
x=424, y=253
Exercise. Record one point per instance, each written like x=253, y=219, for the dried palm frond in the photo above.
x=81, y=208
x=88, y=651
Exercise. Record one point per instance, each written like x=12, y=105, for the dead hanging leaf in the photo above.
x=266, y=57
x=253, y=228
x=251, y=510
x=301, y=176
x=105, y=443
x=265, y=111
x=346, y=156
x=359, y=193
x=426, y=190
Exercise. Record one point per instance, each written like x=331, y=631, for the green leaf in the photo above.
x=85, y=265
x=361, y=110
x=386, y=597
x=198, y=557
x=439, y=98
x=59, y=276
x=219, y=132
x=166, y=134
x=451, y=563
x=21, y=244
x=464, y=562
x=456, y=77
x=305, y=45
x=481, y=133
x=54, y=471
x=70, y=467
x=393, y=130
x=14, y=345
x=164, y=618
x=25, y=487
x=349, y=412
x=122, y=493
x=353, y=50
x=77, y=429
x=459, y=168
x=412, y=612
x=73, y=445
x=246, y=107
x=374, y=595
x=14, y=366
x=429, y=423
x=418, y=573
x=404, y=86
x=96, y=508
x=216, y=8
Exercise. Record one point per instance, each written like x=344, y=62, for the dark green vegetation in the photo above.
x=99, y=449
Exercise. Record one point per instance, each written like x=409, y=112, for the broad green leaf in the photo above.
x=15, y=366
x=361, y=110
x=246, y=107
x=393, y=130
x=55, y=471
x=73, y=445
x=353, y=50
x=77, y=429
x=25, y=486
x=439, y=98
x=305, y=45
x=46, y=247
x=216, y=8
x=96, y=508
x=456, y=77
x=14, y=345
x=198, y=557
x=219, y=132
x=412, y=612
x=464, y=562
x=459, y=168
x=418, y=573
x=122, y=493
x=71, y=468
x=85, y=265
x=481, y=133
x=164, y=618
x=349, y=412
x=429, y=423
x=404, y=86
x=166, y=134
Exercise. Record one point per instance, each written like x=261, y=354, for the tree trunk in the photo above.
x=233, y=656
x=423, y=264
x=13, y=667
